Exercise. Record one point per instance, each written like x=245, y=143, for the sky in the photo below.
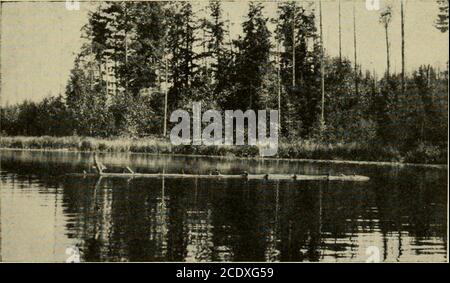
x=39, y=40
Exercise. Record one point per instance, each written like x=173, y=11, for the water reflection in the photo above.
x=402, y=211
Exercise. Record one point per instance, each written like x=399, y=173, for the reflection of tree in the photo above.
x=343, y=214
x=159, y=233
x=300, y=224
x=176, y=240
x=202, y=220
x=118, y=221
x=412, y=207
x=239, y=226
x=272, y=252
x=93, y=241
x=137, y=204
x=198, y=225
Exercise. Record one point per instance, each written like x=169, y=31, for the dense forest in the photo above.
x=143, y=60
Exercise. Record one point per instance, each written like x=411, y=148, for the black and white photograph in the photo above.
x=234, y=131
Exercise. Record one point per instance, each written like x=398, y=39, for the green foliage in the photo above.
x=252, y=62
x=87, y=104
x=49, y=117
x=217, y=57
x=116, y=87
x=300, y=102
x=181, y=40
x=144, y=115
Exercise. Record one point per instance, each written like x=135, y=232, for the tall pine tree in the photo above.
x=253, y=61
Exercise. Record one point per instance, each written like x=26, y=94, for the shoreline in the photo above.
x=323, y=161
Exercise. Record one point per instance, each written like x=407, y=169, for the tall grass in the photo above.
x=295, y=150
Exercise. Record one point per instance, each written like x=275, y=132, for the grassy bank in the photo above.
x=295, y=150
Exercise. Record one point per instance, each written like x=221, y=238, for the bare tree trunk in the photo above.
x=387, y=52
x=166, y=87
x=126, y=48
x=165, y=94
x=340, y=34
x=403, y=47
x=279, y=90
x=230, y=42
x=322, y=69
x=204, y=49
x=278, y=77
x=293, y=46
x=355, y=53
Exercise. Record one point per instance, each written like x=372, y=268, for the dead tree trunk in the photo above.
x=403, y=46
x=355, y=53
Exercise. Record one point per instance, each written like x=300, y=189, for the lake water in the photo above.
x=399, y=215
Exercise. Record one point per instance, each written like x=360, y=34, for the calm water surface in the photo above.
x=402, y=211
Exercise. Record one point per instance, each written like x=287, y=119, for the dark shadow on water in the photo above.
x=400, y=210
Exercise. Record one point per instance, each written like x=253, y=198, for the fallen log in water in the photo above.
x=295, y=177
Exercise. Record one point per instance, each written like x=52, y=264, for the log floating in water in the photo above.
x=216, y=175
x=353, y=178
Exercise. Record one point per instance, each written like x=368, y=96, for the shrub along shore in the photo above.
x=422, y=154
